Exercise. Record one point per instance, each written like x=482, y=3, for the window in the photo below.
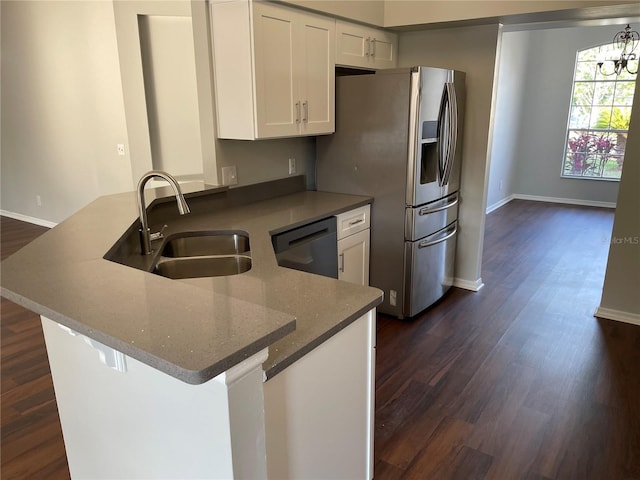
x=599, y=117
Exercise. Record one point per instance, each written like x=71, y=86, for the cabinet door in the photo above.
x=353, y=258
x=319, y=411
x=359, y=46
x=383, y=49
x=316, y=74
x=352, y=45
x=275, y=76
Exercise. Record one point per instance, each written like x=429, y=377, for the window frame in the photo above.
x=589, y=133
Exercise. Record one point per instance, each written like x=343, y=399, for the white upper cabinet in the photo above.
x=274, y=71
x=360, y=46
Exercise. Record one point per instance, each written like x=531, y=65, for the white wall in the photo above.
x=63, y=112
x=171, y=93
x=472, y=50
x=366, y=11
x=510, y=96
x=194, y=74
x=399, y=13
x=256, y=161
x=534, y=95
x=413, y=12
x=62, y=107
x=620, y=299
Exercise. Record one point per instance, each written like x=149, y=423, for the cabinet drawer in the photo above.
x=353, y=221
x=431, y=217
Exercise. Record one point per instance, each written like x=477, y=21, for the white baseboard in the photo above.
x=499, y=204
x=468, y=284
x=538, y=198
x=617, y=315
x=568, y=201
x=28, y=219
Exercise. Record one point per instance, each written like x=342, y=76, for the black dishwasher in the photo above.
x=311, y=248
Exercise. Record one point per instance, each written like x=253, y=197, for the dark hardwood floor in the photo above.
x=32, y=446
x=516, y=381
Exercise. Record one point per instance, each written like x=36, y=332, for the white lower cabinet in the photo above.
x=313, y=420
x=319, y=411
x=354, y=244
x=136, y=422
x=353, y=258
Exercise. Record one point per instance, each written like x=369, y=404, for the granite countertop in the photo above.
x=192, y=329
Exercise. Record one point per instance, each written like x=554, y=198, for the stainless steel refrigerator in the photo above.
x=398, y=139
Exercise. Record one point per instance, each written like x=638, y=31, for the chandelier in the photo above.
x=626, y=41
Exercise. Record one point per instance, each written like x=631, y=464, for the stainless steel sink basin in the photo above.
x=205, y=266
x=214, y=253
x=196, y=244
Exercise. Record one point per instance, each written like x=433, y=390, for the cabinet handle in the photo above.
x=373, y=48
x=355, y=222
x=297, y=112
x=341, y=267
x=305, y=111
x=368, y=46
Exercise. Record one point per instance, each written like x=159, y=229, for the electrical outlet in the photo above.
x=392, y=298
x=38, y=200
x=120, y=148
x=229, y=175
x=292, y=166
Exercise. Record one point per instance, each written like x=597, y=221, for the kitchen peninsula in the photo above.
x=216, y=377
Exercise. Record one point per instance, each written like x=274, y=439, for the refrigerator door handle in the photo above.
x=427, y=210
x=443, y=137
x=448, y=234
x=452, y=134
x=413, y=159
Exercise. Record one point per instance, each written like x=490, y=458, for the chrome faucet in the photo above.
x=145, y=234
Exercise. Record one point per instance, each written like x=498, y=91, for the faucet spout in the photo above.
x=183, y=208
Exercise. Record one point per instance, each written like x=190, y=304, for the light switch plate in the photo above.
x=229, y=175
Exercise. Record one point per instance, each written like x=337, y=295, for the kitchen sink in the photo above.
x=215, y=242
x=215, y=253
x=204, y=266
x=188, y=254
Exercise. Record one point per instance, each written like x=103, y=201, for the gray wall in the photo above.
x=262, y=160
x=534, y=94
x=472, y=50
